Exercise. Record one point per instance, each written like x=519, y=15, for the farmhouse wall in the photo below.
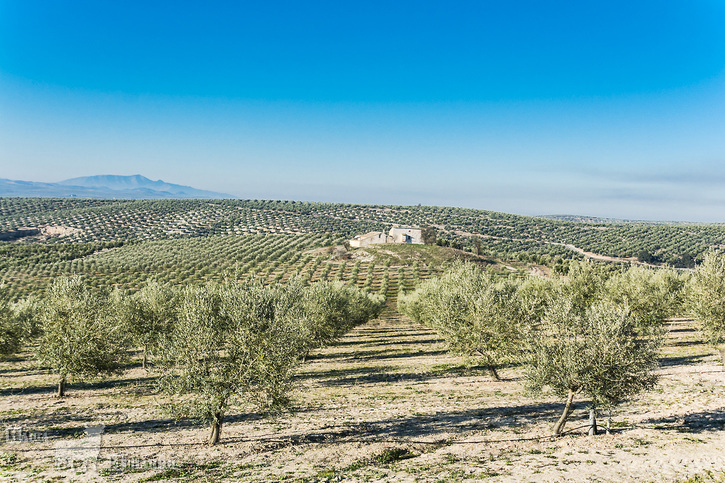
x=406, y=235
x=372, y=238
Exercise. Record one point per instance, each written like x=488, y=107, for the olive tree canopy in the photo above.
x=604, y=354
x=707, y=298
x=82, y=335
x=479, y=317
x=240, y=344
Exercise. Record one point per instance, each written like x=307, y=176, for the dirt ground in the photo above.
x=385, y=404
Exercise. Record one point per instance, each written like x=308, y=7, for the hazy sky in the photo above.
x=609, y=108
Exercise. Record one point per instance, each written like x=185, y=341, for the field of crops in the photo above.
x=396, y=405
x=28, y=268
x=122, y=243
x=498, y=235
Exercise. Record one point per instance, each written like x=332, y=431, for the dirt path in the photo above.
x=385, y=404
x=604, y=258
x=592, y=255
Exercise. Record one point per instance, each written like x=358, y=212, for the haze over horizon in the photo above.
x=612, y=110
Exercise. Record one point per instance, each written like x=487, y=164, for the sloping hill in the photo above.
x=27, y=269
x=499, y=235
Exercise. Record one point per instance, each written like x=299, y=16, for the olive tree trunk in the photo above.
x=565, y=415
x=609, y=420
x=494, y=372
x=216, y=428
x=61, y=387
x=592, y=422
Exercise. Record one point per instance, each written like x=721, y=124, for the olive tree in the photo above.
x=82, y=335
x=26, y=315
x=148, y=314
x=237, y=343
x=333, y=309
x=428, y=235
x=584, y=284
x=11, y=332
x=18, y=324
x=479, y=317
x=650, y=295
x=604, y=354
x=707, y=298
x=230, y=343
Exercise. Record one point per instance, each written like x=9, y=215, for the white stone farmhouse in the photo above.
x=397, y=234
x=406, y=234
x=371, y=238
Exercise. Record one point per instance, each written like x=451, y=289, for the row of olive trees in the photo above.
x=213, y=345
x=707, y=299
x=593, y=332
x=17, y=324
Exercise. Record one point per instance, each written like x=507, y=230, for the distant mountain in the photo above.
x=106, y=186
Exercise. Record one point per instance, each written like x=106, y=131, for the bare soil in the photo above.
x=387, y=403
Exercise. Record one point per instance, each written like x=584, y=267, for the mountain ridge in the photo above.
x=106, y=186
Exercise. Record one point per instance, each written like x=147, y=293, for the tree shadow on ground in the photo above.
x=376, y=375
x=54, y=420
x=24, y=371
x=159, y=425
x=385, y=341
x=382, y=355
x=440, y=428
x=77, y=385
x=392, y=334
x=682, y=360
x=684, y=343
x=376, y=354
x=113, y=383
x=346, y=374
x=699, y=422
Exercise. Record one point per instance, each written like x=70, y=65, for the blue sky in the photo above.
x=610, y=109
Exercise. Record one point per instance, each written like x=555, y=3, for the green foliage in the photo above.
x=333, y=309
x=82, y=335
x=11, y=332
x=707, y=297
x=231, y=341
x=148, y=314
x=18, y=323
x=603, y=353
x=26, y=314
x=428, y=234
x=241, y=342
x=651, y=296
x=600, y=332
x=584, y=285
x=478, y=316
x=534, y=295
